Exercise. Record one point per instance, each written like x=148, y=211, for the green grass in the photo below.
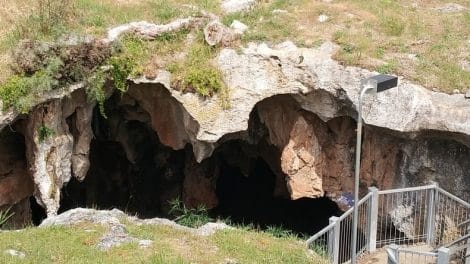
x=191, y=217
x=76, y=245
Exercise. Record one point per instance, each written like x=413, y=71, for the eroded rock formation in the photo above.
x=296, y=115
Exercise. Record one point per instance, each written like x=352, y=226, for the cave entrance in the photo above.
x=249, y=192
x=129, y=167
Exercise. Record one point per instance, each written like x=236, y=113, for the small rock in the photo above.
x=412, y=56
x=456, y=91
x=233, y=6
x=217, y=33
x=451, y=8
x=322, y=18
x=465, y=65
x=15, y=253
x=238, y=27
x=145, y=243
x=116, y=236
x=467, y=94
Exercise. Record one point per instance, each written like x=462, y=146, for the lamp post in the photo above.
x=372, y=85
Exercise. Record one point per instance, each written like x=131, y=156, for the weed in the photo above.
x=5, y=216
x=279, y=231
x=44, y=133
x=122, y=67
x=191, y=217
x=95, y=89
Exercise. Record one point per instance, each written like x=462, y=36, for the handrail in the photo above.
x=423, y=253
x=458, y=240
x=455, y=198
x=408, y=189
x=466, y=222
x=350, y=210
x=340, y=218
x=320, y=233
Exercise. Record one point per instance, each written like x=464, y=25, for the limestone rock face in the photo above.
x=306, y=105
x=49, y=149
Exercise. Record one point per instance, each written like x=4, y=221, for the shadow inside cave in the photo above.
x=248, y=198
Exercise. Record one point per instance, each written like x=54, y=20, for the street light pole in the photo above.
x=372, y=85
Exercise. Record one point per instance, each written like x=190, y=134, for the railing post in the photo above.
x=392, y=254
x=373, y=212
x=333, y=241
x=467, y=251
x=431, y=214
x=443, y=255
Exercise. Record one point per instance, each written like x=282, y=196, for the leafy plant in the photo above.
x=44, y=133
x=96, y=90
x=5, y=216
x=122, y=68
x=191, y=217
x=197, y=74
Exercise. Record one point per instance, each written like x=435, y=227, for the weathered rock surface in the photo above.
x=216, y=33
x=116, y=217
x=412, y=134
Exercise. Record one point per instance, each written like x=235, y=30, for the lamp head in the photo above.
x=380, y=83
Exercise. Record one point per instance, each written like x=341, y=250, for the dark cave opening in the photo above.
x=37, y=211
x=129, y=168
x=246, y=193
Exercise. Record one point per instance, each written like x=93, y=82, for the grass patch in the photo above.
x=191, y=217
x=196, y=73
x=23, y=92
x=77, y=244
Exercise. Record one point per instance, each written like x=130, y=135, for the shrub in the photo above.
x=44, y=133
x=197, y=74
x=191, y=217
x=22, y=92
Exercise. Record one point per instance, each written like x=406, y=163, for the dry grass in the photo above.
x=408, y=38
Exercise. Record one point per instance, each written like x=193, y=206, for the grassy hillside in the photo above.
x=405, y=37
x=77, y=244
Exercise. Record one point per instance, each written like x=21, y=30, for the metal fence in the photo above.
x=426, y=214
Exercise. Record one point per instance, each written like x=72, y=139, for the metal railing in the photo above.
x=425, y=214
x=405, y=215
